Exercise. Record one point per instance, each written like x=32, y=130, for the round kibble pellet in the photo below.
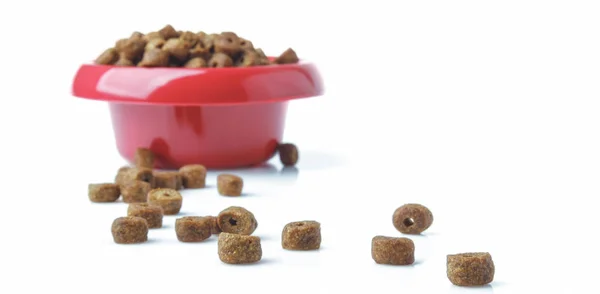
x=169, y=199
x=214, y=228
x=124, y=62
x=103, y=192
x=412, y=218
x=229, y=185
x=189, y=37
x=155, y=58
x=135, y=192
x=393, y=251
x=193, y=176
x=470, y=269
x=152, y=213
x=303, y=235
x=220, y=60
x=109, y=56
x=288, y=154
x=168, y=32
x=177, y=48
x=239, y=249
x=166, y=179
x=156, y=43
x=193, y=228
x=228, y=43
x=121, y=176
x=288, y=56
x=144, y=157
x=197, y=62
x=237, y=220
x=131, y=49
x=137, y=174
x=129, y=230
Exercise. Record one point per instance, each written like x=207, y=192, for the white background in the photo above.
x=484, y=111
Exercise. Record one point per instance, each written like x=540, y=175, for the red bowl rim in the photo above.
x=197, y=86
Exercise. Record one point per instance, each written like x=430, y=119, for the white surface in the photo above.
x=486, y=112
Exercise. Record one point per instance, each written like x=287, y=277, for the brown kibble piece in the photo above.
x=124, y=62
x=177, y=48
x=220, y=60
x=229, y=185
x=136, y=174
x=412, y=218
x=303, y=235
x=137, y=35
x=152, y=213
x=121, y=175
x=136, y=191
x=193, y=176
x=288, y=56
x=109, y=56
x=167, y=179
x=168, y=32
x=249, y=58
x=197, y=62
x=152, y=36
x=200, y=50
x=239, y=249
x=193, y=228
x=129, y=230
x=155, y=58
x=288, y=154
x=214, y=227
x=104, y=192
x=470, y=269
x=246, y=45
x=144, y=157
x=189, y=37
x=156, y=43
x=393, y=251
x=169, y=199
x=237, y=220
x=131, y=49
x=227, y=43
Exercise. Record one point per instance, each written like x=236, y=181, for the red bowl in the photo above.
x=218, y=117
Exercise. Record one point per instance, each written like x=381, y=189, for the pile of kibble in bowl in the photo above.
x=171, y=48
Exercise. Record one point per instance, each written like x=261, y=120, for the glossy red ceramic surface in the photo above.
x=222, y=118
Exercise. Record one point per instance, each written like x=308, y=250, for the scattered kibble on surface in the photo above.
x=237, y=220
x=288, y=154
x=302, y=235
x=166, y=179
x=193, y=228
x=144, y=157
x=214, y=229
x=137, y=174
x=288, y=56
x=152, y=213
x=121, y=176
x=193, y=176
x=135, y=192
x=239, y=249
x=103, y=192
x=129, y=230
x=412, y=218
x=229, y=185
x=392, y=250
x=169, y=199
x=470, y=269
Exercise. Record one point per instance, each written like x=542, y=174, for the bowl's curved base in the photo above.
x=218, y=137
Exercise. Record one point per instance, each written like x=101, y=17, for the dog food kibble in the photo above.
x=197, y=62
x=193, y=176
x=470, y=269
x=229, y=185
x=172, y=48
x=169, y=199
x=304, y=235
x=109, y=56
x=288, y=154
x=214, y=227
x=239, y=249
x=103, y=192
x=136, y=174
x=144, y=157
x=121, y=176
x=237, y=220
x=166, y=179
x=135, y=192
x=129, y=230
x=152, y=213
x=220, y=60
x=412, y=218
x=288, y=56
x=193, y=228
x=391, y=250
